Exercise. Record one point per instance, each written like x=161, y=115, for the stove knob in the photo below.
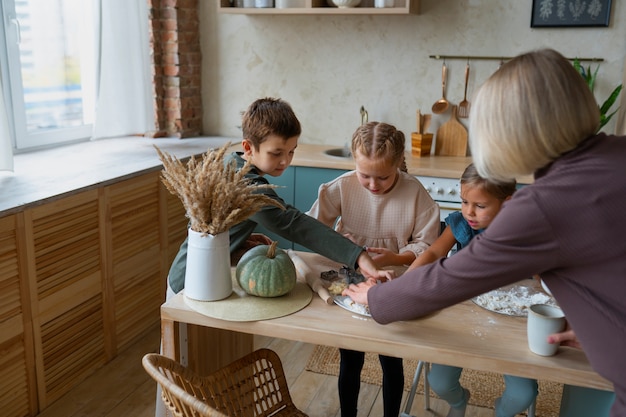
x=440, y=190
x=451, y=191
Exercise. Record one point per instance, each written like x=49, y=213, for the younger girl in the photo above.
x=383, y=208
x=481, y=200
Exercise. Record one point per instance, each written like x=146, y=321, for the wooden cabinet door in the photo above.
x=134, y=284
x=18, y=390
x=65, y=278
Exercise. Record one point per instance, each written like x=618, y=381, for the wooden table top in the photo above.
x=463, y=335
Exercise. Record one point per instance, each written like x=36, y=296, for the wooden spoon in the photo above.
x=442, y=104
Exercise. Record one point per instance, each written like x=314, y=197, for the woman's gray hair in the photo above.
x=532, y=110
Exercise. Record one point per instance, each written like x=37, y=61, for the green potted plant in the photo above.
x=590, y=78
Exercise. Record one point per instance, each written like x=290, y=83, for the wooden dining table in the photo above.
x=464, y=335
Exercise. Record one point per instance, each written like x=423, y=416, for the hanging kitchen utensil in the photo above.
x=464, y=106
x=442, y=104
x=451, y=139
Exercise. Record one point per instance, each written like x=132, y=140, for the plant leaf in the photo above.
x=610, y=100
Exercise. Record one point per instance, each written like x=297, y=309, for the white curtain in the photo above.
x=6, y=147
x=124, y=84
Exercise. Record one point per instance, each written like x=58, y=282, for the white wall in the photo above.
x=328, y=66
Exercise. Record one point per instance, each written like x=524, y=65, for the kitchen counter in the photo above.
x=432, y=166
x=46, y=175
x=429, y=166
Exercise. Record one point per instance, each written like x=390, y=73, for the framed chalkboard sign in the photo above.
x=570, y=13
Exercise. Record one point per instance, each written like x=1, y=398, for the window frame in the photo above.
x=11, y=72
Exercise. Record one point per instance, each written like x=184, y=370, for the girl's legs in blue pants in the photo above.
x=519, y=393
x=585, y=402
x=444, y=381
x=350, y=381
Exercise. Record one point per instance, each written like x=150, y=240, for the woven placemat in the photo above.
x=243, y=307
x=484, y=386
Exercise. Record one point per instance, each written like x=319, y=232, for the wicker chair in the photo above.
x=253, y=386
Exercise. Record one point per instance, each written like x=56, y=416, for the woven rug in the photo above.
x=484, y=386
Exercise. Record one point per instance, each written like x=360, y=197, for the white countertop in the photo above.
x=42, y=176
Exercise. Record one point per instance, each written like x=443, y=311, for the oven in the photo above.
x=445, y=191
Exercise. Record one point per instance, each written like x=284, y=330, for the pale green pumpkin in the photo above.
x=266, y=271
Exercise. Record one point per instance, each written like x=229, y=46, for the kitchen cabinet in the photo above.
x=18, y=395
x=65, y=279
x=321, y=7
x=299, y=187
x=82, y=278
x=308, y=181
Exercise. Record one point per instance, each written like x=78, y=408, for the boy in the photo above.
x=270, y=137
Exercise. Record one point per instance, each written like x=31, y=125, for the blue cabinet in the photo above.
x=299, y=187
x=308, y=181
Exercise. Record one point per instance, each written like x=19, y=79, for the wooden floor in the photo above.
x=122, y=388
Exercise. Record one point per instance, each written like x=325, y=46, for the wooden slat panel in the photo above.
x=136, y=259
x=69, y=297
x=73, y=347
x=177, y=225
x=67, y=286
x=14, y=387
x=66, y=244
x=10, y=303
x=17, y=387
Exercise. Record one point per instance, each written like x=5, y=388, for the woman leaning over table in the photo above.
x=537, y=115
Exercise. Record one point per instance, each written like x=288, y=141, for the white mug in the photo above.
x=544, y=320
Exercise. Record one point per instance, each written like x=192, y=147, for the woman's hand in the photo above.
x=566, y=338
x=358, y=292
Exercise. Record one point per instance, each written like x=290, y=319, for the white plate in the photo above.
x=346, y=302
x=514, y=300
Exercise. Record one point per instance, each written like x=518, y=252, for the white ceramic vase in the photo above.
x=207, y=275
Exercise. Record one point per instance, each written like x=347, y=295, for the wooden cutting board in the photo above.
x=451, y=139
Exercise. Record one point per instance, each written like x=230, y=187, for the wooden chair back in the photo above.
x=253, y=386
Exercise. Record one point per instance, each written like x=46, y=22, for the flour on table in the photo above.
x=513, y=300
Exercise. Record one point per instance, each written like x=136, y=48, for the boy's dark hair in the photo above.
x=269, y=116
x=500, y=190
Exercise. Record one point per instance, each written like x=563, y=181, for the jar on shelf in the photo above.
x=383, y=3
x=263, y=3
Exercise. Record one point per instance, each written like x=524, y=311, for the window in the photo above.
x=48, y=70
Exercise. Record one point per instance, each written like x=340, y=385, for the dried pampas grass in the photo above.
x=215, y=195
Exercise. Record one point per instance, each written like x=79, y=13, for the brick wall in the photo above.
x=175, y=40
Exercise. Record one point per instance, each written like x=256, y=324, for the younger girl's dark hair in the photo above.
x=269, y=116
x=381, y=141
x=500, y=190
